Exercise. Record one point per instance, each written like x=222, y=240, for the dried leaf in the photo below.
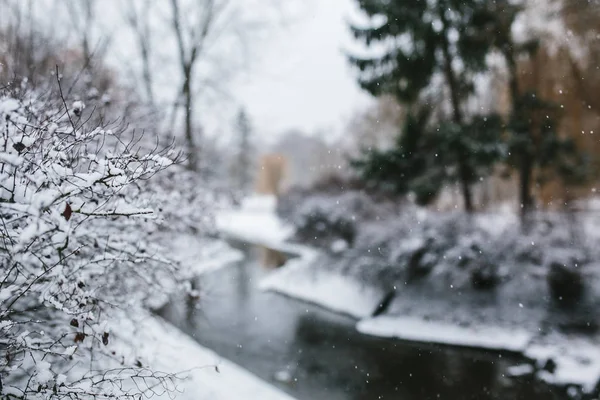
x=75, y=323
x=19, y=146
x=79, y=337
x=68, y=211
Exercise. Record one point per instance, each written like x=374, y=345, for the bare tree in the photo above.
x=83, y=21
x=191, y=41
x=202, y=29
x=138, y=19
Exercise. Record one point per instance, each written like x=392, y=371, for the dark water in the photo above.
x=321, y=354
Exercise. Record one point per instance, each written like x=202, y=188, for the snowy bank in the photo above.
x=576, y=362
x=336, y=292
x=419, y=330
x=197, y=255
x=204, y=374
x=254, y=222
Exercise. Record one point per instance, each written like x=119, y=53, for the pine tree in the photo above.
x=394, y=170
x=422, y=39
x=425, y=156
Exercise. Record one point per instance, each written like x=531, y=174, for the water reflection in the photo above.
x=315, y=354
x=271, y=258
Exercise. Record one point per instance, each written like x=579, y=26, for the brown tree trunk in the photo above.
x=524, y=159
x=525, y=174
x=464, y=171
x=466, y=189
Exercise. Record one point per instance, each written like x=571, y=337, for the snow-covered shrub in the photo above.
x=565, y=280
x=414, y=256
x=183, y=200
x=322, y=229
x=288, y=203
x=324, y=218
x=485, y=275
x=421, y=262
x=73, y=249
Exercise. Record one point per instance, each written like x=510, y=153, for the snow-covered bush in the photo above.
x=324, y=218
x=485, y=275
x=73, y=249
x=565, y=280
x=183, y=200
x=323, y=229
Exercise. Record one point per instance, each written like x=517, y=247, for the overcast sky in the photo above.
x=299, y=77
x=303, y=80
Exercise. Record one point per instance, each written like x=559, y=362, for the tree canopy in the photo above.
x=411, y=43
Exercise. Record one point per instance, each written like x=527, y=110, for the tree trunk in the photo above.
x=189, y=130
x=465, y=173
x=147, y=74
x=466, y=189
x=524, y=159
x=525, y=174
x=512, y=71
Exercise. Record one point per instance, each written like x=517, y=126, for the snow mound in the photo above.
x=259, y=203
x=419, y=330
x=520, y=370
x=577, y=362
x=336, y=292
x=254, y=222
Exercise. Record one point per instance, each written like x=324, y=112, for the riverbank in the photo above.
x=201, y=374
x=194, y=371
x=446, y=309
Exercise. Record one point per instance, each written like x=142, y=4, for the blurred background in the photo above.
x=320, y=90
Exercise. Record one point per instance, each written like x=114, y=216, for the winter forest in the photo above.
x=300, y=199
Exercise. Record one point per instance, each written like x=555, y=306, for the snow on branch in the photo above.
x=70, y=253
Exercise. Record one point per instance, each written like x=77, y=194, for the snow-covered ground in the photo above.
x=203, y=255
x=197, y=256
x=205, y=375
x=333, y=291
x=577, y=361
x=417, y=329
x=162, y=347
x=255, y=222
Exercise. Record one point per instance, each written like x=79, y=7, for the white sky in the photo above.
x=299, y=78
x=303, y=80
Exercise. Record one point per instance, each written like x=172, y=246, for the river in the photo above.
x=315, y=354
